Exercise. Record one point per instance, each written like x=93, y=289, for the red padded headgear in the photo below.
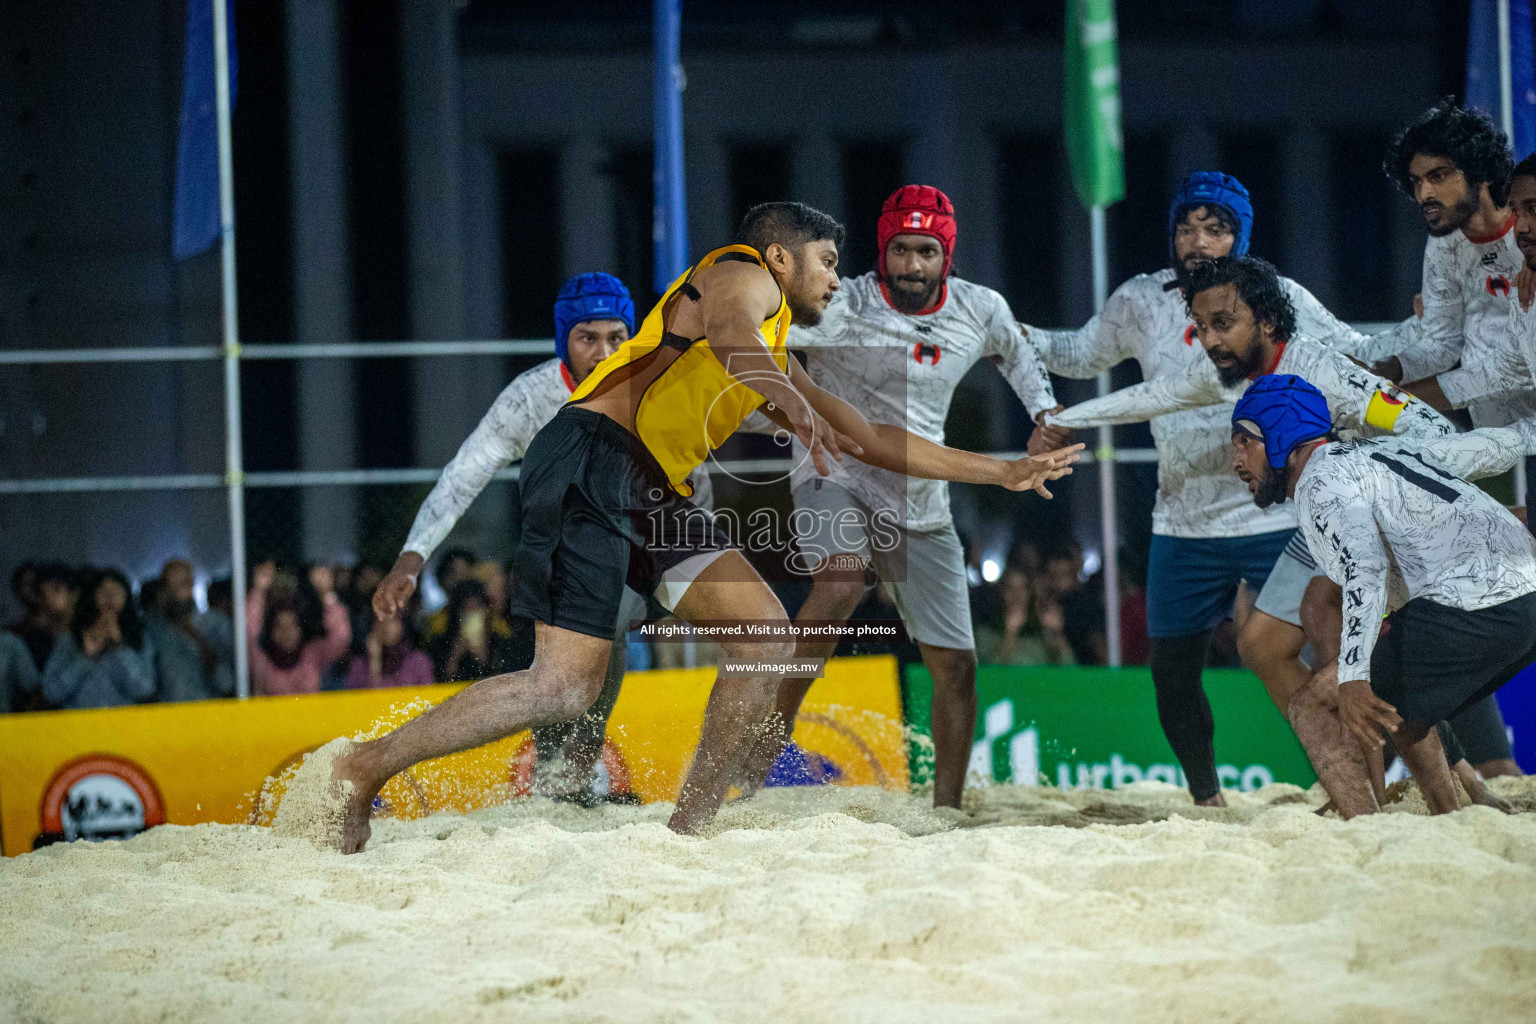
x=917, y=210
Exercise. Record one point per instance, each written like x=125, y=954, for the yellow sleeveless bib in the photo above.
x=694, y=405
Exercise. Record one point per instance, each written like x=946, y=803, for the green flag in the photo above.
x=1095, y=148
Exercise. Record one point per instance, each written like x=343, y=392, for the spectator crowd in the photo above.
x=85, y=639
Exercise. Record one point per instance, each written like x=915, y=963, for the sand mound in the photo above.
x=314, y=806
x=805, y=905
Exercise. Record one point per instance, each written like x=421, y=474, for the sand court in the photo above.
x=820, y=904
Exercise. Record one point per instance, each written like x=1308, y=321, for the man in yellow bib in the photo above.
x=604, y=502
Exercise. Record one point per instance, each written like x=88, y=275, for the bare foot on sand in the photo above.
x=321, y=802
x=355, y=829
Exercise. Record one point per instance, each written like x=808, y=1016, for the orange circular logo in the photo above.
x=100, y=796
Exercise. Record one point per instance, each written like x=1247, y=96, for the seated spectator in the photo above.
x=47, y=596
x=389, y=658
x=468, y=648
x=99, y=662
x=290, y=651
x=20, y=681
x=455, y=565
x=188, y=665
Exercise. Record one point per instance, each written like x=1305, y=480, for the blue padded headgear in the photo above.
x=1212, y=188
x=595, y=296
x=1287, y=410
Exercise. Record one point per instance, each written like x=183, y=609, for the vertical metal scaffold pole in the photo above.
x=234, y=458
x=1104, y=455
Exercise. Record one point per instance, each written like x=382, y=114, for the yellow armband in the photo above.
x=1386, y=405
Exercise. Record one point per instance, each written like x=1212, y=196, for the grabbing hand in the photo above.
x=1045, y=438
x=1364, y=714
x=1390, y=368
x=1034, y=472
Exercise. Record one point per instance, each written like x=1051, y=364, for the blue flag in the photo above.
x=197, y=146
x=1483, y=69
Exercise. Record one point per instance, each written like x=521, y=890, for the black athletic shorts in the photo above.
x=1480, y=727
x=1433, y=660
x=597, y=513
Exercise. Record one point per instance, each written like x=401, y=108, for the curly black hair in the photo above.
x=1467, y=137
x=1258, y=285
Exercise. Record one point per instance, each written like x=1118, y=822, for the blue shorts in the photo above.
x=1192, y=581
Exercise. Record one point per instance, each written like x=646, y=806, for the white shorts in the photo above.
x=925, y=568
x=1287, y=584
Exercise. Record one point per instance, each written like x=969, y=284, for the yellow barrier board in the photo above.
x=115, y=771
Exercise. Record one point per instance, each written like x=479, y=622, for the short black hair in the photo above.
x=1258, y=284
x=1524, y=169
x=1467, y=137
x=1225, y=217
x=788, y=224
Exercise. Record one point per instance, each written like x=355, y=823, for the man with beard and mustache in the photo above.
x=896, y=342
x=188, y=665
x=1246, y=323
x=604, y=496
x=1207, y=536
x=1455, y=164
x=1395, y=524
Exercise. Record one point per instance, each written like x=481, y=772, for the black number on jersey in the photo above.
x=1440, y=489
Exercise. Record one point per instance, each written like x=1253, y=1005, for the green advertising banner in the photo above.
x=1096, y=728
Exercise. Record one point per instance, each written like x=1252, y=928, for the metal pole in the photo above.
x=1507, y=121
x=1105, y=456
x=669, y=228
x=234, y=459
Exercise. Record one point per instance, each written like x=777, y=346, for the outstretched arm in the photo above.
x=501, y=437
x=1111, y=336
x=901, y=451
x=1160, y=395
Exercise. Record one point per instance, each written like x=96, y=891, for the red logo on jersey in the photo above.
x=916, y=219
x=1190, y=334
x=924, y=351
x=1497, y=285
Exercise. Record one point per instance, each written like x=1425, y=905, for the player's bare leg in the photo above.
x=954, y=719
x=1271, y=649
x=729, y=590
x=1322, y=616
x=1424, y=755
x=1335, y=755
x=565, y=678
x=835, y=593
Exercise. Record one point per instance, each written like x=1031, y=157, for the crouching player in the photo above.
x=1396, y=525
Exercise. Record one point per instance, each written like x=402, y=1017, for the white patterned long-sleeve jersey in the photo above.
x=1359, y=401
x=1146, y=320
x=1468, y=287
x=502, y=436
x=902, y=369
x=1393, y=519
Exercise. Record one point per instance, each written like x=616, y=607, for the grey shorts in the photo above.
x=1287, y=584
x=925, y=568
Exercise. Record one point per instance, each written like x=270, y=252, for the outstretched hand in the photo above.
x=1035, y=471
x=1364, y=714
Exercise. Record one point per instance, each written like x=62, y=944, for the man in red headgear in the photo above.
x=898, y=340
